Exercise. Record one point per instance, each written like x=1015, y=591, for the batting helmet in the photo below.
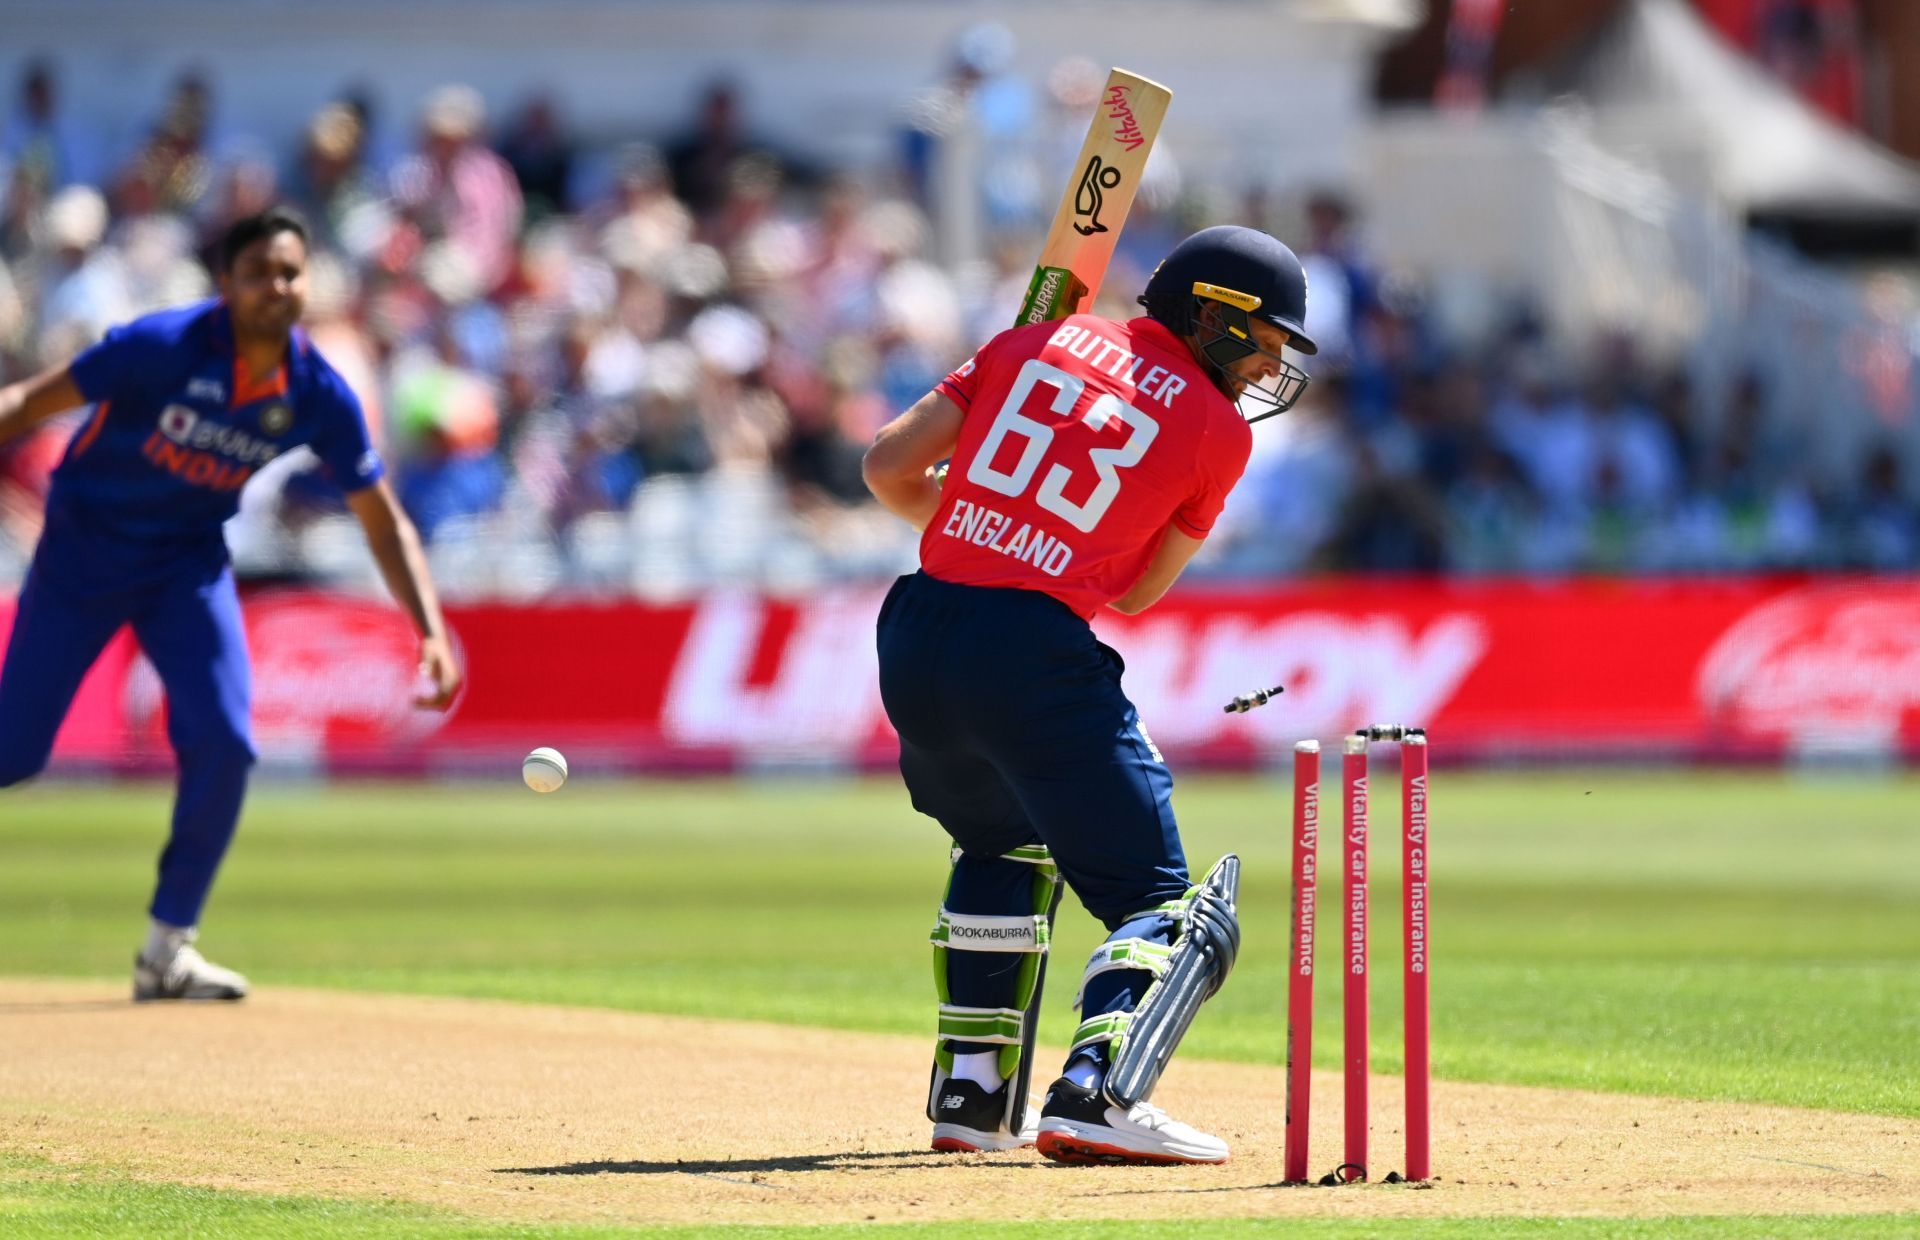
x=1243, y=274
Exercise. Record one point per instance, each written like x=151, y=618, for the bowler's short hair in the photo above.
x=248, y=229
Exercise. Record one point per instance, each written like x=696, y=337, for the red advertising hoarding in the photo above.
x=1682, y=670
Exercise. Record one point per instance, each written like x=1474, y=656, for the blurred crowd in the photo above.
x=652, y=364
x=1413, y=452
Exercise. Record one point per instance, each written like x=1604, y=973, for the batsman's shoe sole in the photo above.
x=955, y=1139
x=1068, y=1145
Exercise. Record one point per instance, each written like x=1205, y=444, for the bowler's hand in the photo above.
x=438, y=667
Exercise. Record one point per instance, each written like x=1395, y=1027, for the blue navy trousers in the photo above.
x=189, y=625
x=1014, y=729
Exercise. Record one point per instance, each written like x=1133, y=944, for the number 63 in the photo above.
x=1106, y=462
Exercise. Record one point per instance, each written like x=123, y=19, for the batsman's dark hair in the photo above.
x=248, y=229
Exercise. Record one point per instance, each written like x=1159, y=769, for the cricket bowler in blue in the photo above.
x=186, y=405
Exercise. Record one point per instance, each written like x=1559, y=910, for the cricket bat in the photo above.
x=1106, y=174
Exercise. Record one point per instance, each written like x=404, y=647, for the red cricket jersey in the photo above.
x=1083, y=439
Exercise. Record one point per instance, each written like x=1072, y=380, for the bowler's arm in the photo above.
x=403, y=562
x=1169, y=559
x=898, y=467
x=28, y=403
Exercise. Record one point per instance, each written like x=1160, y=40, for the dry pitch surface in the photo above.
x=543, y=1113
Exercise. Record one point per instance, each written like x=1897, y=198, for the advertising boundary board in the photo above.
x=1746, y=669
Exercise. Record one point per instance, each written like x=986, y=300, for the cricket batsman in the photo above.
x=187, y=405
x=1089, y=459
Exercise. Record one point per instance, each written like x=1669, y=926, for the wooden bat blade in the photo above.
x=1105, y=177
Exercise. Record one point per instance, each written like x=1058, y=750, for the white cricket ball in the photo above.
x=544, y=769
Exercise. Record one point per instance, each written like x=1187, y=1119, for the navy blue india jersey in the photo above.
x=178, y=428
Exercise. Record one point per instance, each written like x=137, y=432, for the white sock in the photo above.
x=164, y=940
x=982, y=1068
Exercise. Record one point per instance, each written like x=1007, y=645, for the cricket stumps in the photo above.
x=1415, y=943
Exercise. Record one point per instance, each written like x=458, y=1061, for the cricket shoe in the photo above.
x=970, y=1116
x=1078, y=1125
x=185, y=975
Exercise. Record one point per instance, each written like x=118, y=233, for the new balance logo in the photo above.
x=951, y=1102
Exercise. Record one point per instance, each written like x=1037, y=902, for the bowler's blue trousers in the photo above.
x=188, y=623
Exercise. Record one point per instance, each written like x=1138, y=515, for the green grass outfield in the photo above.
x=1736, y=935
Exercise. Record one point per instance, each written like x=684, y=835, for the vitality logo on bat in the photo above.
x=1127, y=130
x=1098, y=178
